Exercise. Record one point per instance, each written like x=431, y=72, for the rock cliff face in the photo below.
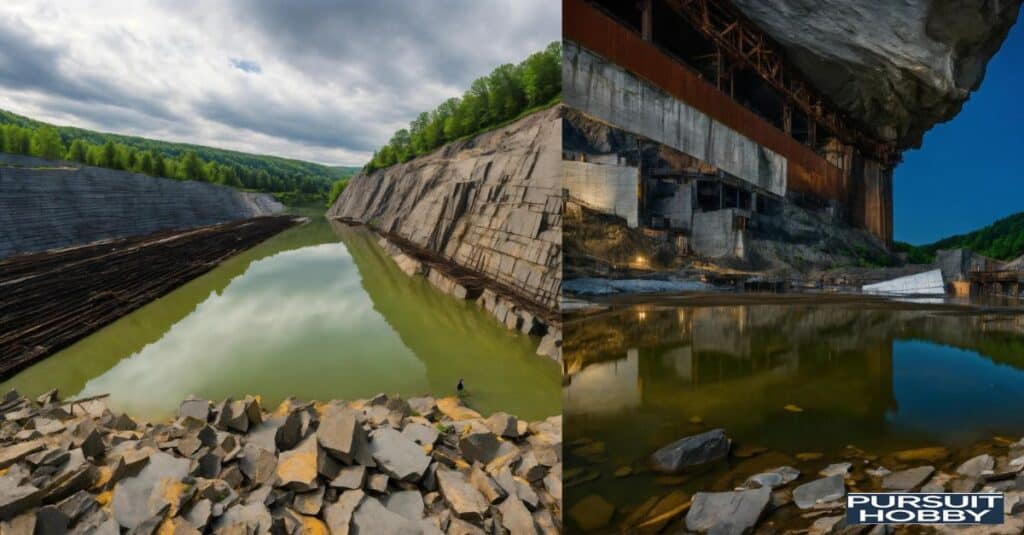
x=491, y=204
x=900, y=67
x=49, y=208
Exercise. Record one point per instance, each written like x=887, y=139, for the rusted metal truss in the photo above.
x=745, y=44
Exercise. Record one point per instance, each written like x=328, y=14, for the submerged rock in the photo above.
x=727, y=512
x=906, y=480
x=691, y=451
x=822, y=490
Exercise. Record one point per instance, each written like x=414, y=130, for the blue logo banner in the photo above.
x=924, y=508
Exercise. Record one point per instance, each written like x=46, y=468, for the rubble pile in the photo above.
x=383, y=465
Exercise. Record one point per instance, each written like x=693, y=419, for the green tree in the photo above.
x=78, y=151
x=191, y=166
x=46, y=143
x=108, y=156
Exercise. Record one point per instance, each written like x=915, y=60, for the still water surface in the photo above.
x=316, y=312
x=876, y=375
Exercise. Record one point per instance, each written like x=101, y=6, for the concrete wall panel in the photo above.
x=611, y=189
x=612, y=94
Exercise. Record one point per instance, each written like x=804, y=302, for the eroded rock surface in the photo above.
x=900, y=68
x=491, y=203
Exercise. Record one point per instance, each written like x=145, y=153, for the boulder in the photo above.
x=776, y=477
x=466, y=502
x=423, y=435
x=196, y=408
x=977, y=466
x=592, y=513
x=338, y=515
x=516, y=518
x=503, y=425
x=691, y=451
x=155, y=489
x=906, y=480
x=372, y=517
x=297, y=468
x=342, y=436
x=822, y=490
x=350, y=477
x=727, y=512
x=397, y=455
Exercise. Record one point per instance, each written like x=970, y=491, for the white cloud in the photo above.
x=319, y=80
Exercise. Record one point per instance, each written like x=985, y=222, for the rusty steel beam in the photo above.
x=728, y=29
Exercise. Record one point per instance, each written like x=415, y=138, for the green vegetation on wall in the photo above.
x=509, y=92
x=1002, y=240
x=291, y=181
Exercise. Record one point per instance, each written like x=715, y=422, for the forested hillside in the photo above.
x=510, y=91
x=1003, y=240
x=292, y=181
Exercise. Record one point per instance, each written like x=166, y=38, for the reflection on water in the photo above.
x=316, y=312
x=876, y=375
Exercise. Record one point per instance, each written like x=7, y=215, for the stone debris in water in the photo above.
x=368, y=466
x=691, y=451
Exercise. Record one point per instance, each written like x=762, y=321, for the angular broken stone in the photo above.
x=822, y=490
x=487, y=486
x=466, y=502
x=377, y=483
x=503, y=425
x=516, y=518
x=397, y=455
x=775, y=477
x=15, y=497
x=372, y=517
x=592, y=513
x=479, y=446
x=976, y=466
x=257, y=464
x=338, y=515
x=691, y=451
x=406, y=503
x=195, y=408
x=297, y=468
x=139, y=498
x=350, y=477
x=421, y=434
x=906, y=480
x=727, y=512
x=341, y=434
x=309, y=503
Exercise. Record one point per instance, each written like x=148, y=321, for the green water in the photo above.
x=316, y=312
x=880, y=376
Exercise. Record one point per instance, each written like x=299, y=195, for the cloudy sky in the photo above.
x=326, y=81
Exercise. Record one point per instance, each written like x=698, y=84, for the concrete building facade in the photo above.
x=737, y=142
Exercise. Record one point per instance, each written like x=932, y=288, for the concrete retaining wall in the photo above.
x=611, y=189
x=43, y=209
x=927, y=283
x=610, y=93
x=714, y=235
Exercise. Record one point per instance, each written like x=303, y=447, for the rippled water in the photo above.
x=880, y=376
x=317, y=312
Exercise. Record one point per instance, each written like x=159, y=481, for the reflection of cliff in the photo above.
x=436, y=326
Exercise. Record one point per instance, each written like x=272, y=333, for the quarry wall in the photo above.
x=491, y=204
x=49, y=208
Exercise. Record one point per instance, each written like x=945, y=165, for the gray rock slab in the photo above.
x=907, y=479
x=397, y=455
x=691, y=451
x=727, y=512
x=822, y=490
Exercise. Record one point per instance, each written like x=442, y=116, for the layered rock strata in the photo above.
x=383, y=465
x=898, y=69
x=491, y=204
x=43, y=208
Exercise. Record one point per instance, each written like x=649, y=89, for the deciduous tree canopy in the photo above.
x=508, y=92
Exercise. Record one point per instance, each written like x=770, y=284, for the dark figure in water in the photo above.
x=460, y=387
